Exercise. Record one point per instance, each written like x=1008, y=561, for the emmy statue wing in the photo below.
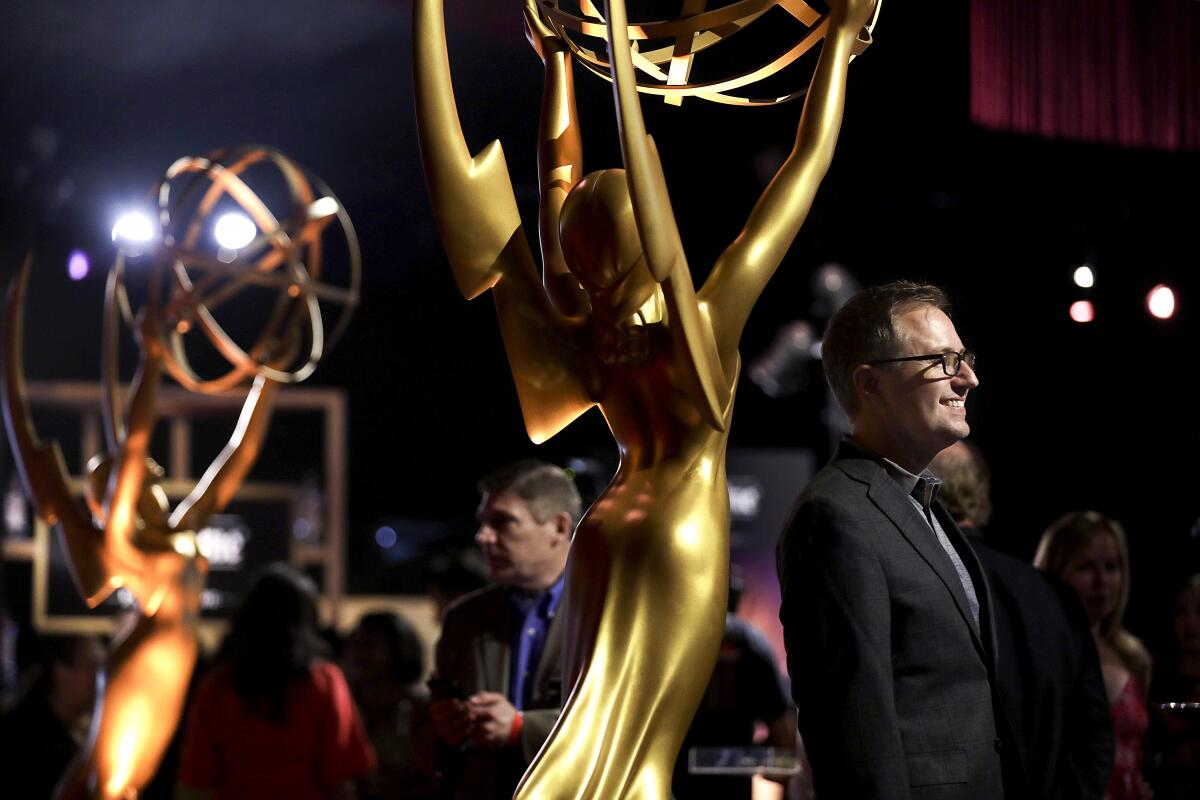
x=42, y=467
x=472, y=198
x=706, y=377
x=476, y=213
x=548, y=361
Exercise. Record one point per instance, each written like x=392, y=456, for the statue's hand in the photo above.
x=283, y=350
x=541, y=37
x=852, y=14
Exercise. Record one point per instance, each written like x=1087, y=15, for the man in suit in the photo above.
x=1048, y=672
x=497, y=685
x=885, y=608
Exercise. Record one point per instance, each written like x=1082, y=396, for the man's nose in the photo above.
x=966, y=376
x=485, y=535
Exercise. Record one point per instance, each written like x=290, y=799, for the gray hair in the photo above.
x=545, y=488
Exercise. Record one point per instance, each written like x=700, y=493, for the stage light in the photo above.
x=1161, y=302
x=1082, y=311
x=78, y=265
x=1084, y=277
x=134, y=227
x=234, y=231
x=301, y=528
x=385, y=537
x=16, y=514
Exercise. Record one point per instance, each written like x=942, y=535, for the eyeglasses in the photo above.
x=951, y=362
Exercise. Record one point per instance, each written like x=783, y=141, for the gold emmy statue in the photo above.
x=132, y=539
x=614, y=321
x=666, y=70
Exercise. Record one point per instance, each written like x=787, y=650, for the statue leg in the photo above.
x=646, y=618
x=139, y=703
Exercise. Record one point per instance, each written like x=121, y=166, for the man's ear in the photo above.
x=866, y=382
x=563, y=526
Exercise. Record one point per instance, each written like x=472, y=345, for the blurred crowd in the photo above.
x=285, y=708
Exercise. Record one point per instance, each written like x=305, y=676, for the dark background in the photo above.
x=97, y=99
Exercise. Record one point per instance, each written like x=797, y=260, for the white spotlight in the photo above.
x=1161, y=301
x=323, y=207
x=235, y=231
x=1084, y=277
x=134, y=227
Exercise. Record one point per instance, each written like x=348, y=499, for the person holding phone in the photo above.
x=497, y=685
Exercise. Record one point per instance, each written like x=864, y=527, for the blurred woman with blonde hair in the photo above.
x=1088, y=551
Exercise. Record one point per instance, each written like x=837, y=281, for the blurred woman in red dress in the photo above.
x=1088, y=551
x=272, y=718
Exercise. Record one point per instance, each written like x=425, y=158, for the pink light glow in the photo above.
x=78, y=265
x=1161, y=301
x=1082, y=311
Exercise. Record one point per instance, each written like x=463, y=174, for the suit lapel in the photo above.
x=887, y=496
x=494, y=645
x=983, y=590
x=550, y=665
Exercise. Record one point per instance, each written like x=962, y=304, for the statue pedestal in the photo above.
x=766, y=761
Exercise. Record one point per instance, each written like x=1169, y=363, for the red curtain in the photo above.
x=1121, y=72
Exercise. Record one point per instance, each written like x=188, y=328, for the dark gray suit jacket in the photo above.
x=475, y=650
x=893, y=684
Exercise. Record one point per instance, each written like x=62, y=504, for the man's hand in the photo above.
x=493, y=719
x=452, y=720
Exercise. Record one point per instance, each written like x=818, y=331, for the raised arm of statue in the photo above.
x=742, y=271
x=128, y=476
x=477, y=217
x=706, y=374
x=473, y=200
x=647, y=185
x=225, y=475
x=560, y=161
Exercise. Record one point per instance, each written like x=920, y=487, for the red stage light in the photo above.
x=1161, y=302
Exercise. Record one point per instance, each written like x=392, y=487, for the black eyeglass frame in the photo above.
x=966, y=355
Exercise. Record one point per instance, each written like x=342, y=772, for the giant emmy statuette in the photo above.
x=614, y=321
x=132, y=539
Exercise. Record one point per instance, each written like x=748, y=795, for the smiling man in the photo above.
x=497, y=685
x=885, y=610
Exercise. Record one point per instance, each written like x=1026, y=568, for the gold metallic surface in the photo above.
x=133, y=540
x=665, y=70
x=614, y=321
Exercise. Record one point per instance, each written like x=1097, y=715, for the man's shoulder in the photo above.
x=840, y=488
x=841, y=476
x=1021, y=578
x=469, y=609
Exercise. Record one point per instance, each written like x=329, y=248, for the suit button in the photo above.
x=999, y=745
